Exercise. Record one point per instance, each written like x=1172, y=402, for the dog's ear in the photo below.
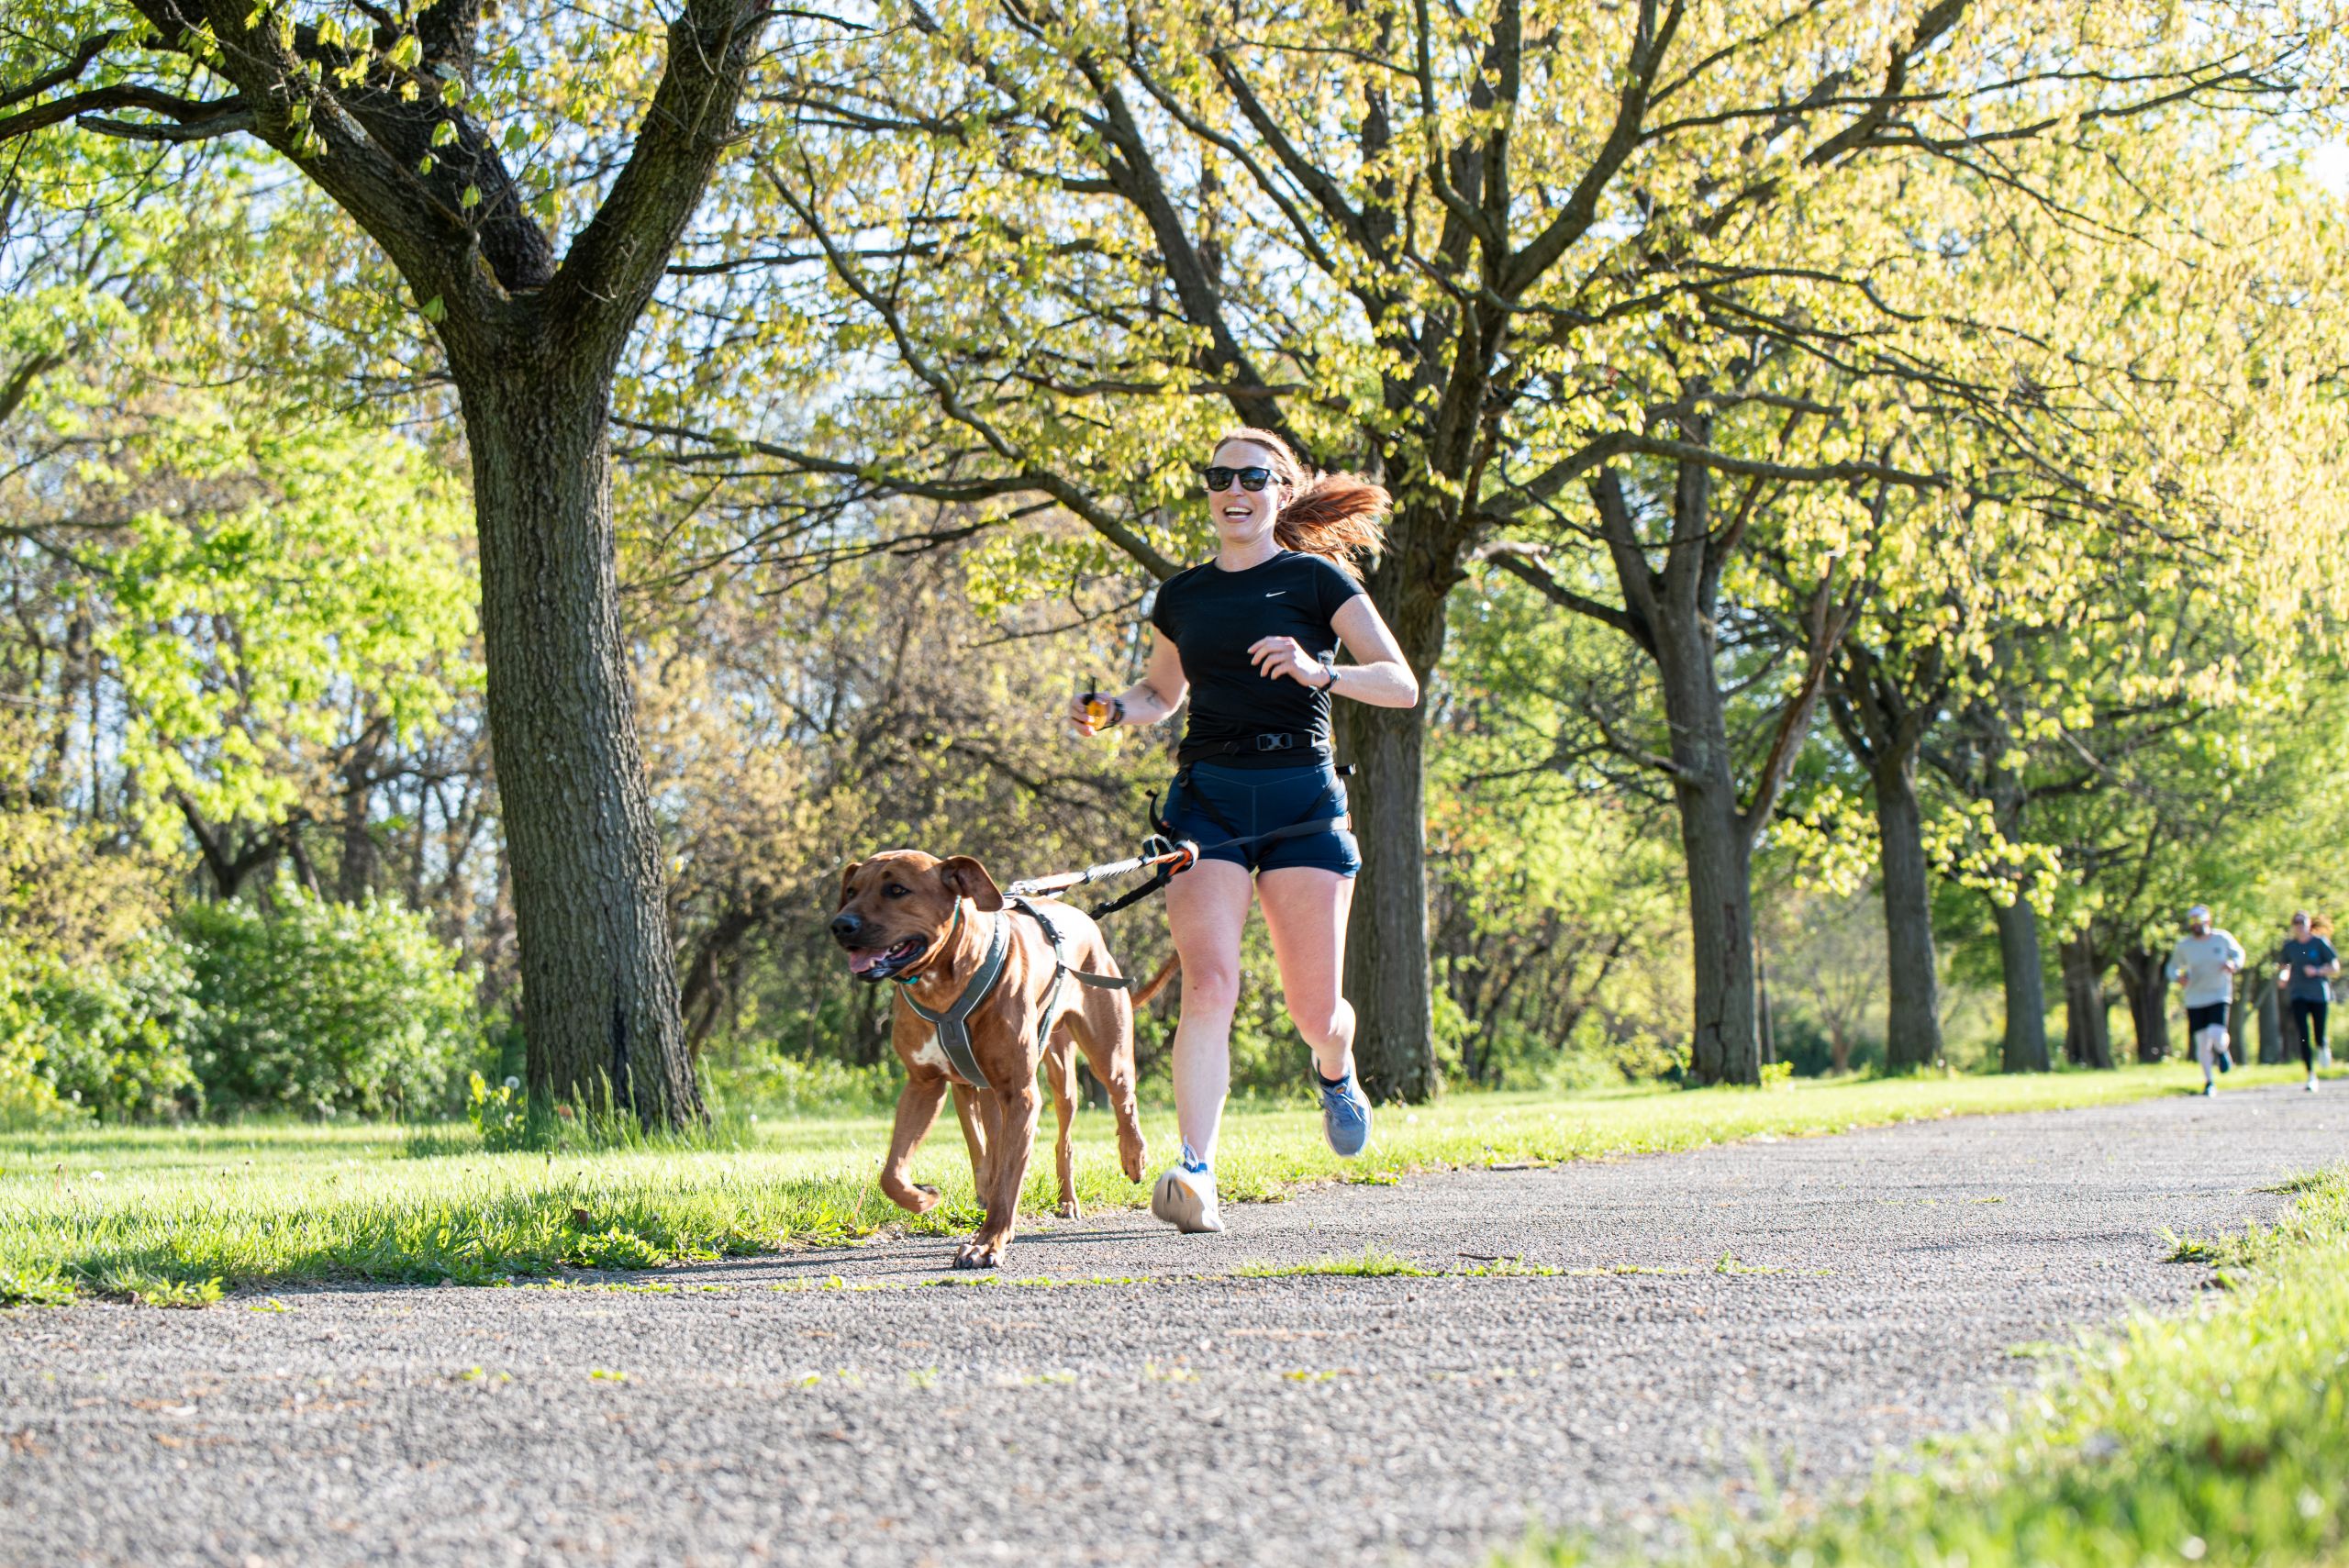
x=848, y=878
x=966, y=878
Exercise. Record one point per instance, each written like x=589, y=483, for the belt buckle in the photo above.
x=1280, y=742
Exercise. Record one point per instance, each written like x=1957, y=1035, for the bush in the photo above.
x=323, y=1008
x=113, y=1037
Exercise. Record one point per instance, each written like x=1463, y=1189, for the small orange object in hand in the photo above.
x=1096, y=710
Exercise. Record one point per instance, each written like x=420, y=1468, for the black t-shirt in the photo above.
x=2300, y=987
x=1215, y=616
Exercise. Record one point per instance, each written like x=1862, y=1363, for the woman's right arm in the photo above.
x=1151, y=699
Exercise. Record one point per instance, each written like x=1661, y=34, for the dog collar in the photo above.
x=951, y=1026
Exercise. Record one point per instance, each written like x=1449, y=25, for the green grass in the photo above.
x=2215, y=1437
x=174, y=1216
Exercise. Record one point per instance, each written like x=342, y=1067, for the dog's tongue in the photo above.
x=862, y=959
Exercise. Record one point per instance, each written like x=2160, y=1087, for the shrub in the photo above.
x=322, y=1008
x=111, y=1037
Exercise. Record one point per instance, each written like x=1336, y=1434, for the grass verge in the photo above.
x=173, y=1216
x=2212, y=1439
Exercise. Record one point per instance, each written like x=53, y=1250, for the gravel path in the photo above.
x=1878, y=1285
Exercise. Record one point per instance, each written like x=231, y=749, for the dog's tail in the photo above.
x=1157, y=982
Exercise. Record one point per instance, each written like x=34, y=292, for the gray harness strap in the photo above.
x=951, y=1027
x=1063, y=972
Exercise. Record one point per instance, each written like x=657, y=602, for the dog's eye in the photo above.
x=894, y=891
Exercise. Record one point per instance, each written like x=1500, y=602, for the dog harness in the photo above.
x=953, y=1027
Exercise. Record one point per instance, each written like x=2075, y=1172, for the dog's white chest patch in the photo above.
x=927, y=1053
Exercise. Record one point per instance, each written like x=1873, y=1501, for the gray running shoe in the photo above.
x=1185, y=1200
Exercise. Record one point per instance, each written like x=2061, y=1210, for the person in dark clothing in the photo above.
x=1252, y=638
x=2309, y=962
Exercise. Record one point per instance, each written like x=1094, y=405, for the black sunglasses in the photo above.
x=1250, y=479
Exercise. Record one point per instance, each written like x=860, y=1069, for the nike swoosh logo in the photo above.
x=1276, y=594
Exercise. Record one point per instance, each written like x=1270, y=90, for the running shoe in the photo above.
x=2325, y=1058
x=2208, y=1088
x=1184, y=1199
x=1346, y=1114
x=2226, y=1063
x=2312, y=1084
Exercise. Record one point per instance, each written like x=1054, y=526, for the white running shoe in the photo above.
x=1185, y=1200
x=2311, y=1083
x=2325, y=1058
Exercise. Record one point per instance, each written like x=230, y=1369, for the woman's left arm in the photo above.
x=1379, y=675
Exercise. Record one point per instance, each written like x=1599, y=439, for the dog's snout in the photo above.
x=846, y=924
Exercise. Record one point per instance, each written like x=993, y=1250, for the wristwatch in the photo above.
x=1330, y=662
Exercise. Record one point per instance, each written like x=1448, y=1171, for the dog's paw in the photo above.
x=925, y=1197
x=1070, y=1210
x=974, y=1256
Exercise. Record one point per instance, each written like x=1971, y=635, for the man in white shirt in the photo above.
x=2204, y=964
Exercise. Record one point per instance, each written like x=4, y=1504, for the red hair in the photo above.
x=1338, y=516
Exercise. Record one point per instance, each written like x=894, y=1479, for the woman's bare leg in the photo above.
x=1305, y=910
x=1207, y=908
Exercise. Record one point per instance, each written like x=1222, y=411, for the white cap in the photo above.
x=2198, y=912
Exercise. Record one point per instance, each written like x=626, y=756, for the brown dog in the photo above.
x=933, y=926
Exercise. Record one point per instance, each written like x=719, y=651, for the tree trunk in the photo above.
x=1725, y=1044
x=2273, y=1047
x=1387, y=976
x=1913, y=1017
x=599, y=990
x=2144, y=976
x=2087, y=1031
x=2023, y=1048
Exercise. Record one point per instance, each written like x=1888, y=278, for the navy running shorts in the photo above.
x=1210, y=803
x=2210, y=1016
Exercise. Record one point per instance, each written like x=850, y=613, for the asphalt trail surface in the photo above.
x=1878, y=1287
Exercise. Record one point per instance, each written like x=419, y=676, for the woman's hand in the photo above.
x=1279, y=658
x=1093, y=712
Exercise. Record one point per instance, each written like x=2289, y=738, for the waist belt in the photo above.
x=1306, y=747
x=953, y=1027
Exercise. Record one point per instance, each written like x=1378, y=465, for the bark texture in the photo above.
x=1388, y=977
x=2023, y=1046
x=2088, y=1028
x=599, y=989
x=1883, y=707
x=2144, y=977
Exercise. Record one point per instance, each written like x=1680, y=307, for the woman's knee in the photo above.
x=1210, y=988
x=1320, y=1021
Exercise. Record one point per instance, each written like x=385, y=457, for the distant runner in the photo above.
x=2309, y=962
x=2205, y=961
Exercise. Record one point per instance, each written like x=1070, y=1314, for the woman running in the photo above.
x=1252, y=637
x=2309, y=962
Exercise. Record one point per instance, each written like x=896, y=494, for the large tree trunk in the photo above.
x=2144, y=976
x=2269, y=1000
x=1913, y=1017
x=599, y=991
x=1726, y=1043
x=2088, y=1030
x=2023, y=1048
x=1386, y=936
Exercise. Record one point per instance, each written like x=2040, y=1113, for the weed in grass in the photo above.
x=267, y=1304
x=1729, y=1265
x=1375, y=1263
x=34, y=1290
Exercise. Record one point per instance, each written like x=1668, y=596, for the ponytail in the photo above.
x=1338, y=516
